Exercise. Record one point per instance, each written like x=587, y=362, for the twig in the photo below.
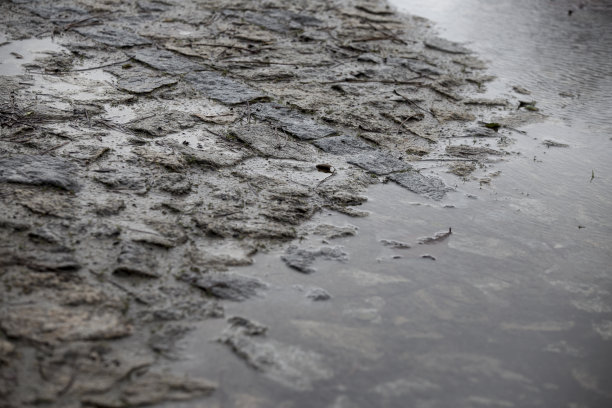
x=55, y=147
x=410, y=101
x=237, y=47
x=379, y=81
x=389, y=33
x=445, y=160
x=99, y=154
x=368, y=39
x=281, y=63
x=80, y=23
x=101, y=66
x=81, y=69
x=326, y=178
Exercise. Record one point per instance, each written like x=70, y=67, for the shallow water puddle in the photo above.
x=514, y=308
x=514, y=301
x=14, y=54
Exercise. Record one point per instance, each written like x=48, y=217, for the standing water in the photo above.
x=514, y=308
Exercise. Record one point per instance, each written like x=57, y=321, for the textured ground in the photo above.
x=162, y=142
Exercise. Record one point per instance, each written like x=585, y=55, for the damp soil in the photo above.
x=316, y=204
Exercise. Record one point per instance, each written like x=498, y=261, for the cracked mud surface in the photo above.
x=159, y=144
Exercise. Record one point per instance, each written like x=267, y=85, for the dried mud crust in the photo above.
x=173, y=140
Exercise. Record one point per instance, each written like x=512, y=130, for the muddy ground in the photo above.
x=151, y=146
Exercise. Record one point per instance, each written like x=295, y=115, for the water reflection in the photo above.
x=563, y=59
x=515, y=307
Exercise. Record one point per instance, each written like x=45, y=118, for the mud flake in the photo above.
x=416, y=66
x=38, y=260
x=213, y=155
x=270, y=142
x=165, y=61
x=379, y=163
x=279, y=20
x=245, y=326
x=136, y=260
x=53, y=324
x=256, y=229
x=221, y=88
x=108, y=35
x=112, y=206
x=229, y=286
x=462, y=169
x=48, y=203
x=288, y=365
x=169, y=160
x=520, y=90
x=164, y=341
x=123, y=181
x=162, y=124
x=553, y=143
x=437, y=237
x=394, y=244
x=427, y=186
x=440, y=44
x=176, y=184
x=479, y=131
x=153, y=6
x=333, y=231
x=318, y=294
x=342, y=145
x=39, y=171
x=142, y=85
x=301, y=259
x=295, y=123
x=470, y=151
x=219, y=259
